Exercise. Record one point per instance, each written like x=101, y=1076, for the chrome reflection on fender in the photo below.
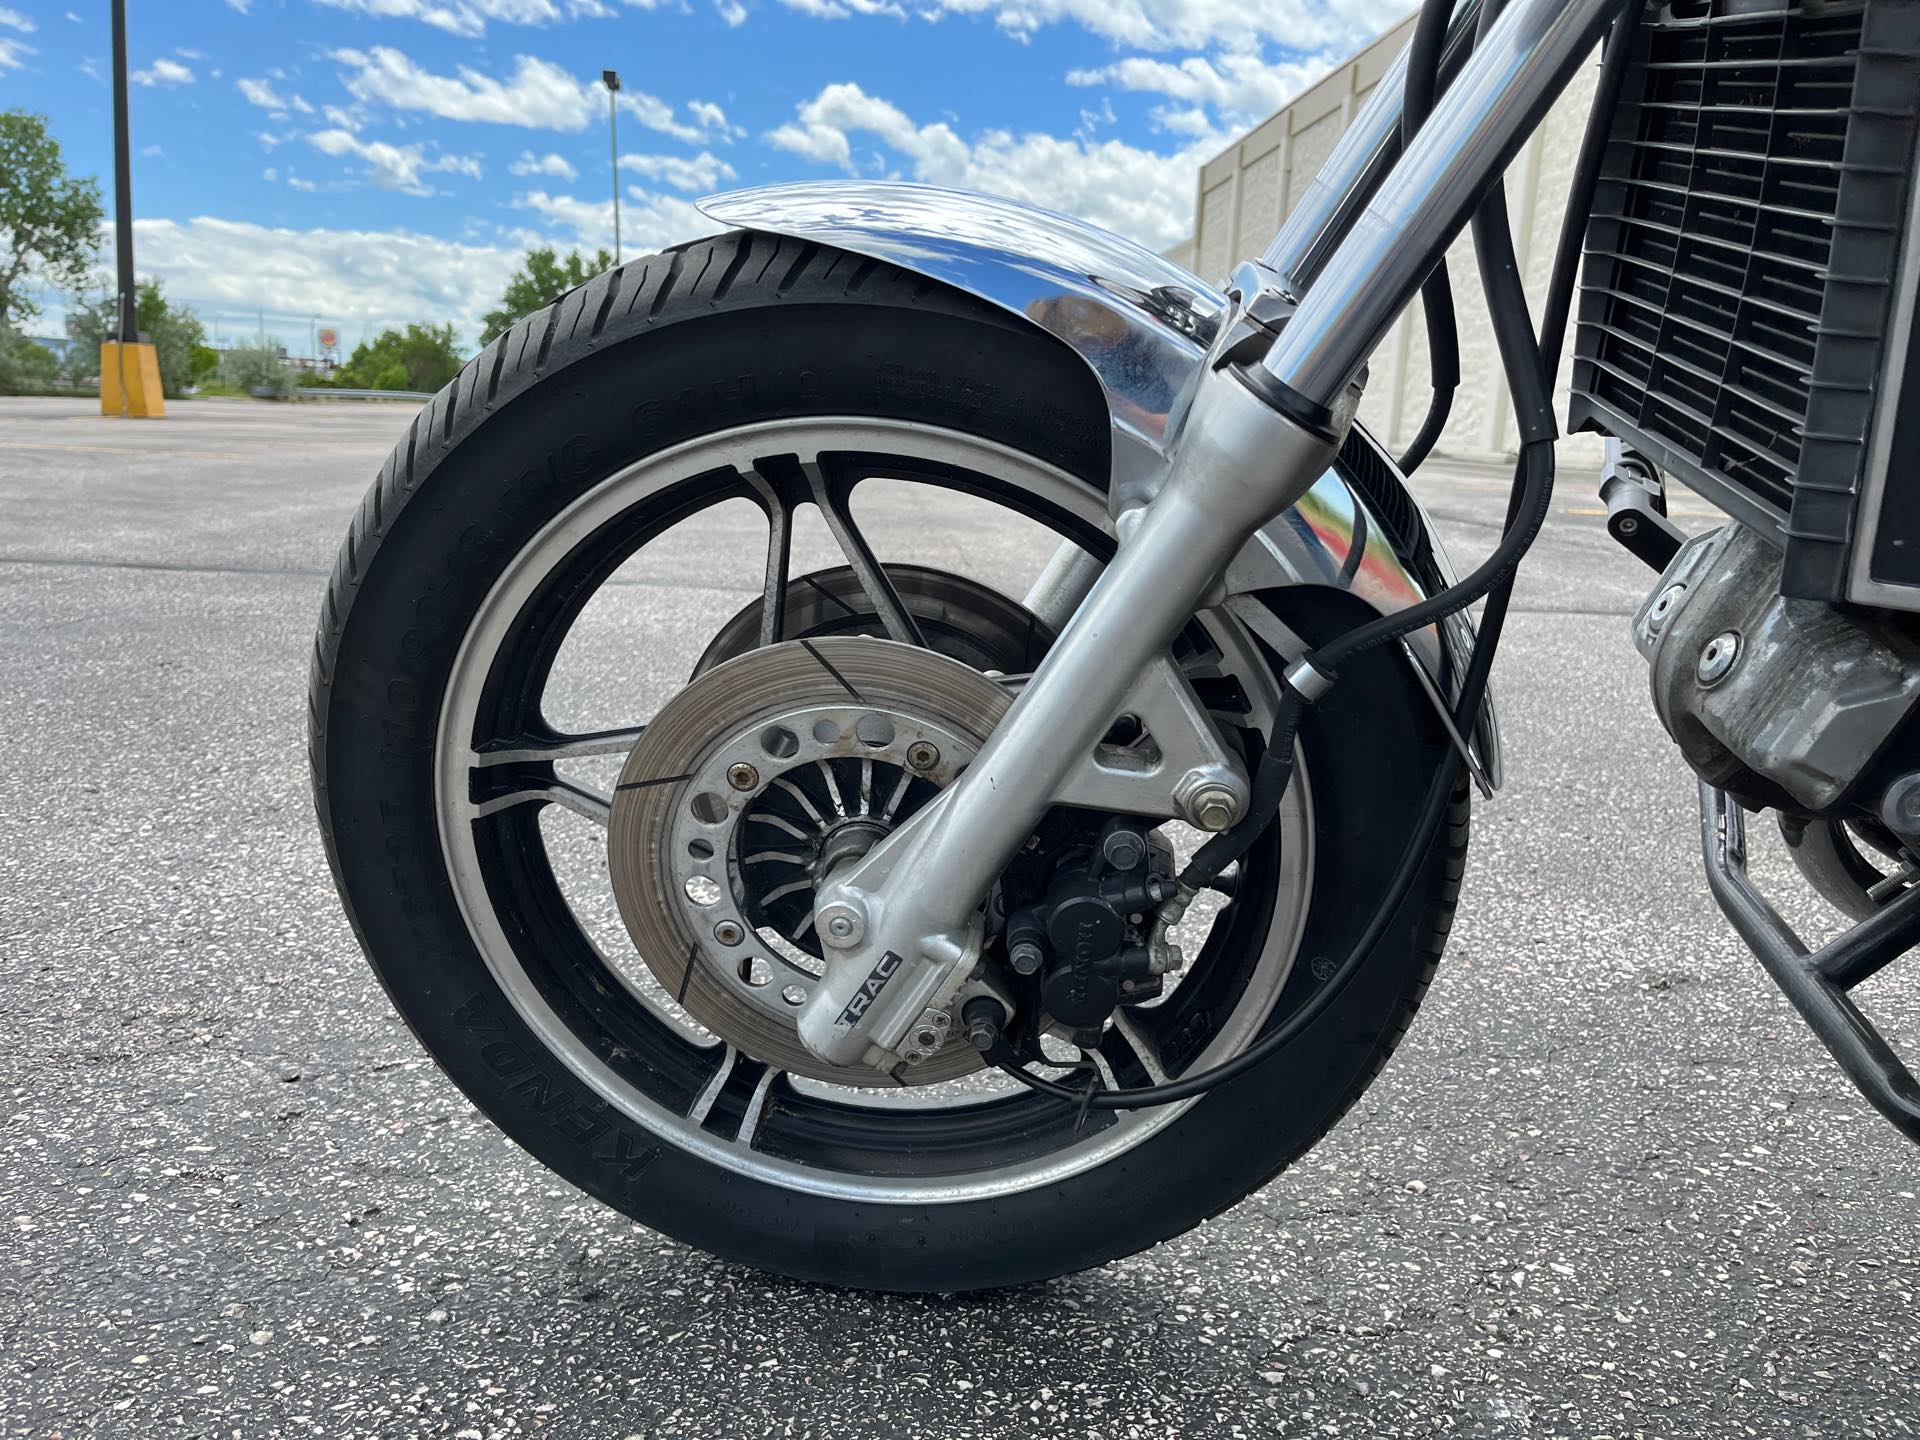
x=1142, y=324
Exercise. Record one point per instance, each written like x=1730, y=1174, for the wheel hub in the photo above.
x=749, y=787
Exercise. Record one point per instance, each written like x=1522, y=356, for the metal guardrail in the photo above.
x=329, y=392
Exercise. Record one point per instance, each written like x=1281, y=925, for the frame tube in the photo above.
x=1475, y=130
x=1359, y=163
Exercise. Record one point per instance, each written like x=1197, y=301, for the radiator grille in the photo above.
x=1742, y=255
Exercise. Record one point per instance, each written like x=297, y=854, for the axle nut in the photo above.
x=841, y=926
x=1213, y=808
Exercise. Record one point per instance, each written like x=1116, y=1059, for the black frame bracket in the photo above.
x=1818, y=982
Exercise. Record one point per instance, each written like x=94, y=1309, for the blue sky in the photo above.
x=364, y=162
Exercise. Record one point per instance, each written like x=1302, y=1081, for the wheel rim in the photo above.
x=498, y=764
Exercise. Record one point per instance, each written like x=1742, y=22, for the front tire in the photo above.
x=738, y=331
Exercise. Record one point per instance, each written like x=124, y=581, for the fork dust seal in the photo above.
x=1818, y=982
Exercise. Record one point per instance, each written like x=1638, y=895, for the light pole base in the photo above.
x=130, y=381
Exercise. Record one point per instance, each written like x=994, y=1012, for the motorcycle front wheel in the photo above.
x=634, y=506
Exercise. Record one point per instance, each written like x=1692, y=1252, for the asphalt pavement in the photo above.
x=1609, y=1187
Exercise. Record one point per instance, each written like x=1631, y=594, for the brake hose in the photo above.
x=1530, y=378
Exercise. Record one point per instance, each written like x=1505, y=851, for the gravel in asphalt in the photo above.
x=1610, y=1186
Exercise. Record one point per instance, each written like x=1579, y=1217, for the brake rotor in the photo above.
x=753, y=782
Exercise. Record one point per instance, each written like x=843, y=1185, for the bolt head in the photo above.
x=1664, y=607
x=729, y=932
x=840, y=926
x=1629, y=525
x=1213, y=808
x=1716, y=660
x=742, y=776
x=1025, y=957
x=923, y=755
x=1124, y=850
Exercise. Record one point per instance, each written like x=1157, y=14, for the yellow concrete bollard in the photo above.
x=130, y=381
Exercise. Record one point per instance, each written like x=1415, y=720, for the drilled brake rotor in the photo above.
x=746, y=788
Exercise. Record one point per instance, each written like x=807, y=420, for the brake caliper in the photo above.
x=1089, y=919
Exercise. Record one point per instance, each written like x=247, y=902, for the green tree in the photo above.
x=422, y=357
x=49, y=220
x=25, y=363
x=174, y=330
x=541, y=279
x=259, y=367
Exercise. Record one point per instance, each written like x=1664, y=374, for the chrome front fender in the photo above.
x=1142, y=324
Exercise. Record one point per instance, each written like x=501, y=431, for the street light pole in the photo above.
x=611, y=79
x=129, y=310
x=129, y=368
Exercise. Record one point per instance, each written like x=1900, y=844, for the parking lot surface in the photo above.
x=1609, y=1186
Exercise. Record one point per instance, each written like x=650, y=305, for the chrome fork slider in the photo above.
x=915, y=898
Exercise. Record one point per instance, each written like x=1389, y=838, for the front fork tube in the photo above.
x=902, y=923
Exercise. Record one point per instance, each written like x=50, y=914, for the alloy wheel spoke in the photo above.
x=747, y=1135
x=773, y=594
x=584, y=745
x=1127, y=1036
x=537, y=789
x=734, y=1099
x=703, y=1102
x=830, y=495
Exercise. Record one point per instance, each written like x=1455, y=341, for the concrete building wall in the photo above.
x=1246, y=191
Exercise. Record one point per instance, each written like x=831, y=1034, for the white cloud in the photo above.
x=655, y=114
x=163, y=72
x=1183, y=119
x=262, y=93
x=711, y=118
x=555, y=165
x=240, y=5
x=647, y=222
x=1299, y=25
x=538, y=94
x=470, y=17
x=841, y=9
x=352, y=278
x=700, y=172
x=12, y=53
x=394, y=167
x=1133, y=191
x=14, y=20
x=1241, y=87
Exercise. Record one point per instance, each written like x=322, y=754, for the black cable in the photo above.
x=1436, y=296
x=1270, y=779
x=1529, y=367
